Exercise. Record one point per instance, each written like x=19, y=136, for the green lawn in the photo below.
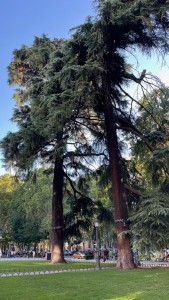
x=107, y=284
x=33, y=265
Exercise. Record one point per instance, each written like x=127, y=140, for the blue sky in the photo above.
x=22, y=20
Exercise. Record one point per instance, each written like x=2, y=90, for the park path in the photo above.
x=42, y=272
x=11, y=274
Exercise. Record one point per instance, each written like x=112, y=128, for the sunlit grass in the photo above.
x=132, y=296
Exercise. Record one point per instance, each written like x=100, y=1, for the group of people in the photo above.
x=11, y=252
x=108, y=254
x=164, y=254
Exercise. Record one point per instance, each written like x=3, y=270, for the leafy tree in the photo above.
x=150, y=222
x=154, y=123
x=8, y=185
x=25, y=208
x=152, y=210
x=25, y=231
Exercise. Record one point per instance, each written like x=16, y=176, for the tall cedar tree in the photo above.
x=46, y=121
x=97, y=70
x=31, y=141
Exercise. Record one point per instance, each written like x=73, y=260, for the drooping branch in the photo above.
x=87, y=126
x=134, y=191
x=129, y=127
x=73, y=154
x=137, y=134
x=75, y=191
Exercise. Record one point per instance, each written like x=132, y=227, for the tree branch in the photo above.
x=75, y=191
x=134, y=191
x=134, y=78
x=142, y=106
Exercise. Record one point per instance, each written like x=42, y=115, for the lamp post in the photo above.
x=97, y=224
x=1, y=241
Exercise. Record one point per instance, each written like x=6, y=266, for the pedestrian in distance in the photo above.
x=105, y=255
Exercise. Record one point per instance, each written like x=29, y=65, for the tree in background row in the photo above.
x=25, y=209
x=150, y=215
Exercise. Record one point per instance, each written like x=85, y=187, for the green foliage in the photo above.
x=8, y=185
x=83, y=210
x=153, y=121
x=29, y=61
x=25, y=231
x=150, y=221
x=26, y=209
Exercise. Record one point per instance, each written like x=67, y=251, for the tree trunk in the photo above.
x=57, y=214
x=125, y=257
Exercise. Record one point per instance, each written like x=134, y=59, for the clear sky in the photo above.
x=22, y=20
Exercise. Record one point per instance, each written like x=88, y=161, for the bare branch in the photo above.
x=142, y=106
x=134, y=78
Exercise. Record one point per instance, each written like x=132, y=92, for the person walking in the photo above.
x=105, y=255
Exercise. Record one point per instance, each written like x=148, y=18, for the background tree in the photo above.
x=153, y=122
x=153, y=170
x=8, y=184
x=150, y=222
x=26, y=209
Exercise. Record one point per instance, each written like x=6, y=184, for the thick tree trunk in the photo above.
x=125, y=257
x=57, y=214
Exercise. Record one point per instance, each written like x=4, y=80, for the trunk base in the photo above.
x=61, y=261
x=125, y=265
x=125, y=261
x=57, y=255
x=57, y=259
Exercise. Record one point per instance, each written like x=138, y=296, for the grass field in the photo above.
x=107, y=284
x=33, y=265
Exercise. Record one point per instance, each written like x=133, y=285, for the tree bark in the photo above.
x=57, y=214
x=125, y=257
